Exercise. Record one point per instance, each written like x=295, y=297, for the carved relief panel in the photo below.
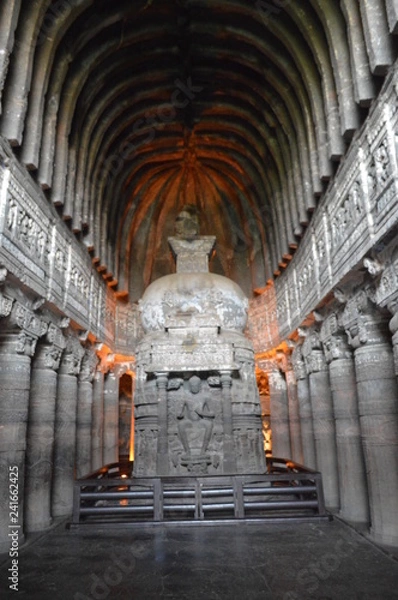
x=195, y=427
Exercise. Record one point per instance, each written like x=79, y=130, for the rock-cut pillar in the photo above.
x=65, y=430
x=279, y=411
x=19, y=333
x=323, y=418
x=354, y=506
x=162, y=466
x=294, y=417
x=368, y=333
x=229, y=461
x=305, y=409
x=97, y=421
x=84, y=413
x=111, y=418
x=40, y=438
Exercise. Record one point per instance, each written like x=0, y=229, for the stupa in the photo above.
x=197, y=407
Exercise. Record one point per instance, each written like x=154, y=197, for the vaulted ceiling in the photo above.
x=124, y=111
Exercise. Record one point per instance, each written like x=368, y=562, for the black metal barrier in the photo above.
x=287, y=491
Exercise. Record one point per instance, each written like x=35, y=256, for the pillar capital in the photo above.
x=48, y=353
x=72, y=356
x=89, y=365
x=48, y=356
x=120, y=369
x=284, y=360
x=363, y=321
x=384, y=270
x=312, y=351
x=161, y=379
x=277, y=380
x=226, y=379
x=22, y=328
x=333, y=338
x=55, y=336
x=27, y=320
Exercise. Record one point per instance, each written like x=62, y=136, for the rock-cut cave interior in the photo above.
x=199, y=265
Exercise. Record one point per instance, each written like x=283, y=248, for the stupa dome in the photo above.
x=193, y=300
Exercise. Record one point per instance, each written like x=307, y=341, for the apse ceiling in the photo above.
x=124, y=111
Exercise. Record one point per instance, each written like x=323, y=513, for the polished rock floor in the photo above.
x=323, y=561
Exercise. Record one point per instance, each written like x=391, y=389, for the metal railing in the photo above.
x=287, y=491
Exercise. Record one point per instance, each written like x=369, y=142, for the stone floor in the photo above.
x=325, y=561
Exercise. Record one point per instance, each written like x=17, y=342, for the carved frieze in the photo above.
x=382, y=166
x=43, y=254
x=107, y=310
x=77, y=302
x=307, y=284
x=257, y=328
x=26, y=225
x=283, y=308
x=294, y=306
x=379, y=170
x=97, y=294
x=174, y=356
x=129, y=330
x=58, y=268
x=348, y=214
